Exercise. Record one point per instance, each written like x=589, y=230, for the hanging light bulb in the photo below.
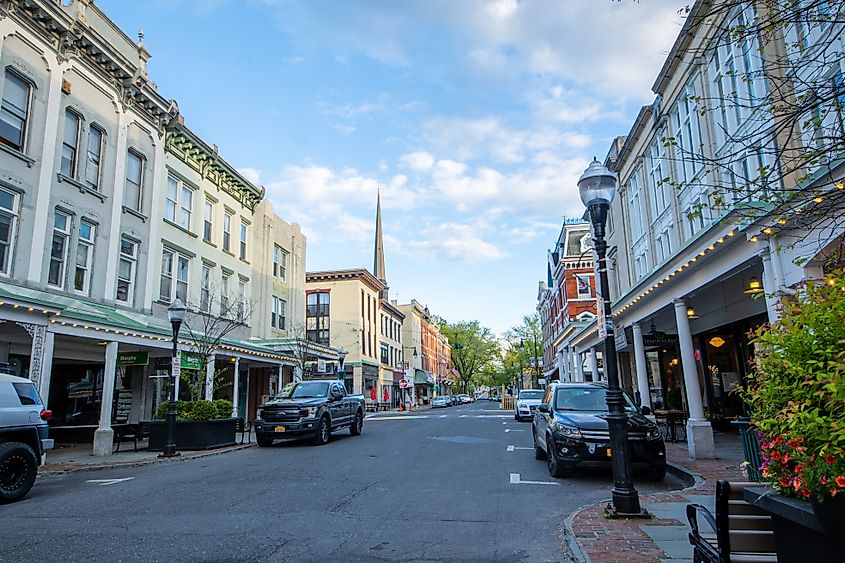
x=691, y=313
x=754, y=286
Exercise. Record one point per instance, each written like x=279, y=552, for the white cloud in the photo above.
x=251, y=174
x=417, y=160
x=455, y=241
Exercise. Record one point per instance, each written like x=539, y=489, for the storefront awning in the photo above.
x=422, y=377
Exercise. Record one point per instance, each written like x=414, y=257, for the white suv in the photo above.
x=23, y=436
x=526, y=403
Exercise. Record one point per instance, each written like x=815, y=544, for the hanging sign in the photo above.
x=191, y=361
x=139, y=358
x=176, y=368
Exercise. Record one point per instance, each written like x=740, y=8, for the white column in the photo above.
x=46, y=366
x=699, y=430
x=770, y=286
x=104, y=436
x=246, y=404
x=117, y=205
x=594, y=364
x=209, y=378
x=297, y=373
x=47, y=172
x=579, y=365
x=236, y=392
x=642, y=372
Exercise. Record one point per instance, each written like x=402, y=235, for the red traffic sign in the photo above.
x=403, y=383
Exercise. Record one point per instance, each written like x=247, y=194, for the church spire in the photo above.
x=378, y=260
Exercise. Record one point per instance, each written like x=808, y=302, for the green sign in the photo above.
x=188, y=360
x=133, y=358
x=436, y=388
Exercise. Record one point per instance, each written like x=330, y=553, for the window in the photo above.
x=58, y=249
x=635, y=206
x=92, y=162
x=14, y=111
x=227, y=231
x=84, y=257
x=687, y=135
x=180, y=203
x=277, y=315
x=126, y=270
x=317, y=317
x=205, y=288
x=174, y=276
x=241, y=300
x=132, y=190
x=280, y=261
x=657, y=173
x=385, y=353
x=243, y=241
x=224, y=295
x=70, y=145
x=8, y=222
x=583, y=284
x=641, y=264
x=208, y=221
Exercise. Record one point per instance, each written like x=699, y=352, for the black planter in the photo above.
x=831, y=514
x=194, y=434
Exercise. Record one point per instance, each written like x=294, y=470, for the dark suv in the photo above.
x=570, y=431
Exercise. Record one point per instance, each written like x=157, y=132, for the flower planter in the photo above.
x=799, y=535
x=831, y=513
x=194, y=434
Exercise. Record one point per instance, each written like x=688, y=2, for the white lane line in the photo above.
x=515, y=480
x=404, y=417
x=514, y=430
x=511, y=448
x=443, y=416
x=104, y=482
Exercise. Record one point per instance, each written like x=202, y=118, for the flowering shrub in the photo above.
x=797, y=392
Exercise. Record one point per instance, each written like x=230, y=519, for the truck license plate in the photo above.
x=280, y=429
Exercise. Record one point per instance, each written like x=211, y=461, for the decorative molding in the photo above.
x=37, y=333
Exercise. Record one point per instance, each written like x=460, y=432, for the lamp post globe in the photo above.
x=175, y=314
x=597, y=188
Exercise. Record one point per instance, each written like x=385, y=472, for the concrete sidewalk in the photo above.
x=665, y=537
x=65, y=458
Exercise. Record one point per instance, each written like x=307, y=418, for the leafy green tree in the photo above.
x=526, y=342
x=474, y=350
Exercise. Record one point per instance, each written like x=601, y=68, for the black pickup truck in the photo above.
x=309, y=409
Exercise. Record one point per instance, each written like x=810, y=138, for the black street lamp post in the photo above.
x=597, y=187
x=176, y=314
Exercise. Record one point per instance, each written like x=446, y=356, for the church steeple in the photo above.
x=378, y=260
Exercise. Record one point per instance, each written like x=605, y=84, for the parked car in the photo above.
x=439, y=402
x=465, y=399
x=455, y=400
x=23, y=436
x=526, y=403
x=570, y=431
x=309, y=408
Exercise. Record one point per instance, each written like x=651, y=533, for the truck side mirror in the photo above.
x=543, y=407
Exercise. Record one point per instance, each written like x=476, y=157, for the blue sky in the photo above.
x=475, y=118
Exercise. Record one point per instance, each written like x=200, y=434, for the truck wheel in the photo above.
x=263, y=441
x=357, y=424
x=324, y=432
x=18, y=468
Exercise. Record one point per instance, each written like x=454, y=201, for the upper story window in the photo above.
x=243, y=241
x=242, y=293
x=8, y=223
x=95, y=153
x=84, y=257
x=70, y=144
x=208, y=220
x=280, y=261
x=58, y=250
x=227, y=232
x=180, y=203
x=635, y=205
x=14, y=111
x=317, y=317
x=687, y=128
x=126, y=267
x=224, y=294
x=641, y=264
x=585, y=290
x=278, y=313
x=133, y=188
x=174, y=276
x=656, y=175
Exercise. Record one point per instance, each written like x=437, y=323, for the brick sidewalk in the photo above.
x=624, y=541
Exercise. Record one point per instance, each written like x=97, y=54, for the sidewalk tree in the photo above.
x=474, y=350
x=530, y=335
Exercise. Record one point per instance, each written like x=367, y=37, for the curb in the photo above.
x=691, y=480
x=103, y=466
x=571, y=540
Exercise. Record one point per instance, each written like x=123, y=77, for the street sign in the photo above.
x=190, y=361
x=403, y=383
x=175, y=367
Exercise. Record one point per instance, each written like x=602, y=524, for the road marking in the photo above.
x=513, y=430
x=515, y=480
x=104, y=482
x=444, y=416
x=512, y=448
x=403, y=417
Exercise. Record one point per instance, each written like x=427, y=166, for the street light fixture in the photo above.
x=597, y=187
x=176, y=314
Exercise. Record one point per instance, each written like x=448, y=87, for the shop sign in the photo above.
x=621, y=340
x=321, y=366
x=133, y=358
x=666, y=340
x=191, y=361
x=369, y=371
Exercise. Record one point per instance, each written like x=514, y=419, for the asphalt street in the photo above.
x=456, y=484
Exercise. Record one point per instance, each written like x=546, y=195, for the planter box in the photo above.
x=194, y=434
x=799, y=536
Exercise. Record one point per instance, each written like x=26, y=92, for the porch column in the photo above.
x=642, y=373
x=579, y=365
x=104, y=436
x=594, y=364
x=209, y=378
x=770, y=285
x=236, y=378
x=297, y=373
x=46, y=367
x=699, y=430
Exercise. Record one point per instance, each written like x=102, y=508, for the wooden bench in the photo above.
x=130, y=432
x=741, y=532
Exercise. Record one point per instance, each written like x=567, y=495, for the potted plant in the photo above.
x=796, y=397
x=200, y=425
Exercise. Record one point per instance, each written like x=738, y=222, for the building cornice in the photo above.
x=359, y=274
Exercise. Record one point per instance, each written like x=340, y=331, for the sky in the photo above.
x=474, y=118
